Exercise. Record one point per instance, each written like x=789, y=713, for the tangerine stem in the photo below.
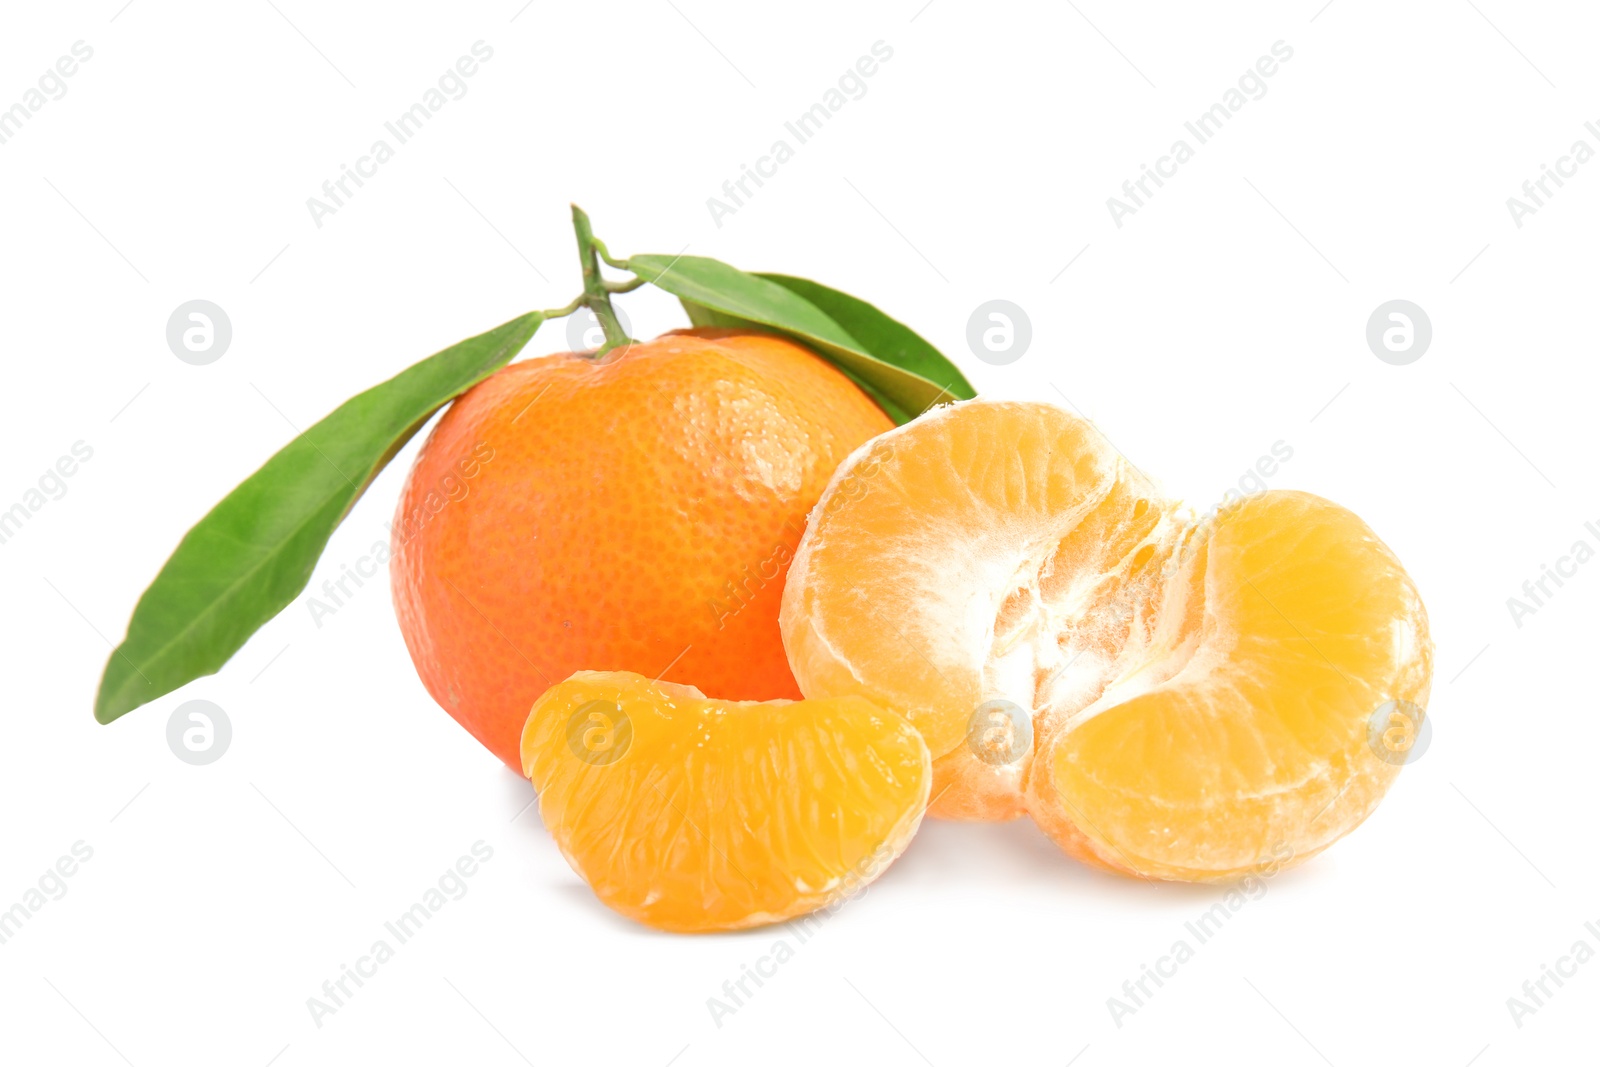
x=596, y=291
x=562, y=312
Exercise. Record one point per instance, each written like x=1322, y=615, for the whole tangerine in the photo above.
x=633, y=512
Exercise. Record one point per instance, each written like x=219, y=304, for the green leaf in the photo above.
x=889, y=339
x=899, y=369
x=700, y=315
x=254, y=552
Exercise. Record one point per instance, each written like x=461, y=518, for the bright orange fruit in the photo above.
x=636, y=512
x=1166, y=697
x=691, y=814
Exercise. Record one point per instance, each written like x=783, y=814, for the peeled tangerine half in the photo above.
x=1167, y=697
x=692, y=814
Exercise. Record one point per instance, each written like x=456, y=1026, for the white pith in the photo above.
x=1063, y=653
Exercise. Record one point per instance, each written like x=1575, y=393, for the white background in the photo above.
x=1226, y=315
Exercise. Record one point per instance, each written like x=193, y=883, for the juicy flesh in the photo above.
x=719, y=815
x=1199, y=690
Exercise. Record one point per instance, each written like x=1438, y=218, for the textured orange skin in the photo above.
x=567, y=514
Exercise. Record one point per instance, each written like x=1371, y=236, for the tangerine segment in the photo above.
x=1256, y=750
x=690, y=814
x=985, y=550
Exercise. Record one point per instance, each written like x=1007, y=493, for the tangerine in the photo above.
x=1194, y=695
x=632, y=512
